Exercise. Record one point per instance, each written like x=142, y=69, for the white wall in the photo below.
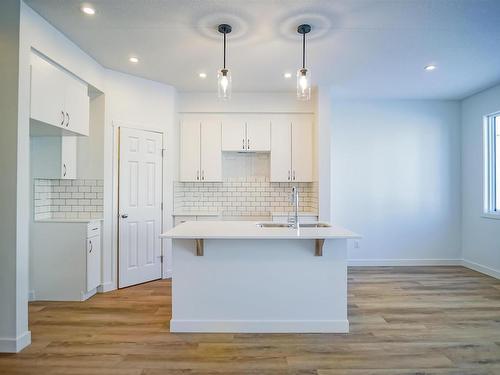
x=480, y=235
x=141, y=104
x=14, y=334
x=396, y=179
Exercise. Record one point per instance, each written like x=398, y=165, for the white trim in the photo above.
x=403, y=262
x=106, y=287
x=86, y=295
x=491, y=215
x=15, y=345
x=482, y=269
x=260, y=326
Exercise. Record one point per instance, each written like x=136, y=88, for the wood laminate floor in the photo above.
x=404, y=320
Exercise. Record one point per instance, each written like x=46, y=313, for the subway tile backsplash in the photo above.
x=67, y=199
x=243, y=196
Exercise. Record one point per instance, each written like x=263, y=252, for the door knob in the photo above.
x=124, y=216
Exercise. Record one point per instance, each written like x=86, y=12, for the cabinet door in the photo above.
x=211, y=155
x=258, y=134
x=68, y=157
x=93, y=262
x=190, y=150
x=76, y=106
x=233, y=134
x=302, y=149
x=281, y=149
x=47, y=93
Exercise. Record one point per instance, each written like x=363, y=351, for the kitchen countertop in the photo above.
x=249, y=230
x=196, y=213
x=62, y=220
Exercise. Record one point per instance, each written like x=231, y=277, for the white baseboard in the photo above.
x=106, y=287
x=480, y=268
x=168, y=274
x=260, y=326
x=31, y=295
x=15, y=345
x=403, y=262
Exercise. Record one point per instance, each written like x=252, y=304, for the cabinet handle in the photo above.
x=243, y=146
x=288, y=175
x=63, y=118
x=248, y=144
x=91, y=247
x=64, y=168
x=203, y=174
x=294, y=174
x=197, y=175
x=124, y=216
x=67, y=115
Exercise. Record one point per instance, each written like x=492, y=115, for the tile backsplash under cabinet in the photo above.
x=243, y=196
x=67, y=199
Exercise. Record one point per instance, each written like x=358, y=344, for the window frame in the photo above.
x=491, y=148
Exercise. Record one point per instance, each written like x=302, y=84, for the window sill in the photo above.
x=489, y=215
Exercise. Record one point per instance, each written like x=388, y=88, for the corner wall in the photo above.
x=14, y=334
x=396, y=179
x=480, y=235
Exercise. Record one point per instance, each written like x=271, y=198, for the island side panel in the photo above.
x=259, y=286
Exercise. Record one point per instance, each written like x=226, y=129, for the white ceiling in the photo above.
x=362, y=48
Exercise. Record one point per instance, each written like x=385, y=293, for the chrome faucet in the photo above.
x=294, y=200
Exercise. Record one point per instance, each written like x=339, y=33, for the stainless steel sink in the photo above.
x=287, y=225
x=315, y=225
x=274, y=225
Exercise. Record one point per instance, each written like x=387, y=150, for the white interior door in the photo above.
x=140, y=197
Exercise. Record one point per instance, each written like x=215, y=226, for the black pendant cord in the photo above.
x=224, y=50
x=303, y=50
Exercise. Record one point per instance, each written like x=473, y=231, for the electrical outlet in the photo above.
x=356, y=244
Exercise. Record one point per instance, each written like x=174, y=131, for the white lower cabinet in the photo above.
x=65, y=260
x=179, y=219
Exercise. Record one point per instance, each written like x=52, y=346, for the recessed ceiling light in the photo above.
x=287, y=75
x=134, y=60
x=88, y=10
x=430, y=67
x=203, y=75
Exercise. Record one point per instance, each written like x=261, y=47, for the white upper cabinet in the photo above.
x=77, y=107
x=302, y=149
x=292, y=149
x=281, y=149
x=211, y=157
x=249, y=133
x=201, y=158
x=58, y=99
x=68, y=158
x=234, y=134
x=47, y=93
x=258, y=134
x=190, y=150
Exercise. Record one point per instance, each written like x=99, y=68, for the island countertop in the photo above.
x=250, y=230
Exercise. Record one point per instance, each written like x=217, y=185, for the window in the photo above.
x=492, y=165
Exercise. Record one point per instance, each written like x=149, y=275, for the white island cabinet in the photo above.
x=235, y=276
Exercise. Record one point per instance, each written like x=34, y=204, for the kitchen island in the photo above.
x=242, y=276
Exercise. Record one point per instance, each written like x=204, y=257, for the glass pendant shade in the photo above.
x=303, y=84
x=224, y=83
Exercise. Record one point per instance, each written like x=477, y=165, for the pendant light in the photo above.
x=224, y=74
x=303, y=74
